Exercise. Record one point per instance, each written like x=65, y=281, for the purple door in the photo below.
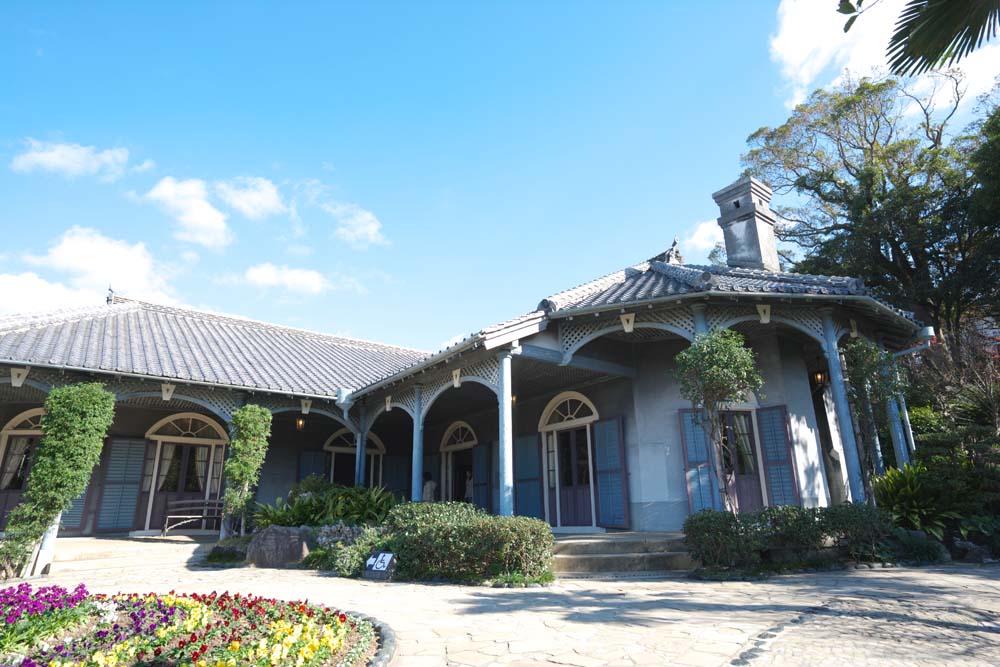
x=739, y=460
x=574, y=477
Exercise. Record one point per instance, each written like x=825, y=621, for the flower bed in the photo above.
x=215, y=630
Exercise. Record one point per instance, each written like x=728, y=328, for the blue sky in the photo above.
x=405, y=172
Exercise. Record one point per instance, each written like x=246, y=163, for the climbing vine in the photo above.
x=251, y=431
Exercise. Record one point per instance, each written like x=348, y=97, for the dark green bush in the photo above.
x=75, y=423
x=794, y=528
x=326, y=505
x=459, y=542
x=910, y=502
x=723, y=539
x=857, y=527
x=924, y=420
x=907, y=547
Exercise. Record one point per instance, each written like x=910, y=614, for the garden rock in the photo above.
x=279, y=546
x=338, y=533
x=971, y=553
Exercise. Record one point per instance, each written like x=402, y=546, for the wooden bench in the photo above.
x=180, y=512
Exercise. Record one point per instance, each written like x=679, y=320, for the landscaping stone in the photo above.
x=972, y=553
x=279, y=546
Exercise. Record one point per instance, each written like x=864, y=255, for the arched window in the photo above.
x=342, y=446
x=18, y=440
x=456, y=459
x=567, y=410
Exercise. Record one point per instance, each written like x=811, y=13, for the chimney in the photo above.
x=748, y=224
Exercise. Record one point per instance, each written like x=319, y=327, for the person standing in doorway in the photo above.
x=468, y=486
x=430, y=488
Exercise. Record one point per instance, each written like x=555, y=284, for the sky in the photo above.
x=406, y=172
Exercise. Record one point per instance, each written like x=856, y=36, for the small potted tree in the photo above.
x=716, y=371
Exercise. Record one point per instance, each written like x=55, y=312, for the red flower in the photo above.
x=181, y=644
x=343, y=617
x=157, y=651
x=194, y=637
x=204, y=648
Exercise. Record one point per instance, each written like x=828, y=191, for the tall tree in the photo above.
x=885, y=194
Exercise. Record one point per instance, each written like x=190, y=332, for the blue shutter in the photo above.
x=610, y=473
x=699, y=464
x=396, y=475
x=528, y=476
x=72, y=519
x=122, y=476
x=312, y=463
x=481, y=475
x=776, y=449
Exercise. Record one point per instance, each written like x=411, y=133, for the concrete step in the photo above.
x=623, y=562
x=580, y=546
x=79, y=554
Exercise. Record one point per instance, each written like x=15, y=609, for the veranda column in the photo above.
x=876, y=443
x=904, y=412
x=700, y=323
x=506, y=436
x=842, y=408
x=896, y=431
x=360, y=446
x=417, y=479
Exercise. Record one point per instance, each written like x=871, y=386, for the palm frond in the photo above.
x=932, y=33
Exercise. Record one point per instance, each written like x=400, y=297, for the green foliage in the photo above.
x=925, y=419
x=906, y=547
x=325, y=505
x=724, y=539
x=251, y=430
x=886, y=195
x=901, y=493
x=75, y=423
x=857, y=527
x=717, y=369
x=872, y=372
x=459, y=542
x=794, y=528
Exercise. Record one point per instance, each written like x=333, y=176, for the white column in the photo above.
x=904, y=412
x=700, y=322
x=360, y=456
x=417, y=479
x=899, y=444
x=842, y=408
x=506, y=436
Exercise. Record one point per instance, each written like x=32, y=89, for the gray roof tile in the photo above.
x=139, y=338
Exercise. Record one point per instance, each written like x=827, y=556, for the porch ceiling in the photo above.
x=23, y=394
x=533, y=377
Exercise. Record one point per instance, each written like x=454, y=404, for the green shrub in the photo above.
x=251, y=430
x=724, y=540
x=75, y=423
x=328, y=504
x=795, y=528
x=925, y=419
x=459, y=542
x=903, y=494
x=858, y=527
x=906, y=547
x=348, y=560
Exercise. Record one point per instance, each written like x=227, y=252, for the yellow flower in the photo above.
x=235, y=645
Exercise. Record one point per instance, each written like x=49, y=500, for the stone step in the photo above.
x=623, y=562
x=81, y=549
x=584, y=546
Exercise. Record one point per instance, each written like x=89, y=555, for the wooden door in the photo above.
x=181, y=475
x=574, y=477
x=740, y=462
x=14, y=472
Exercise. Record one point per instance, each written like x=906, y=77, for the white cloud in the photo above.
x=87, y=263
x=199, y=221
x=147, y=165
x=71, y=160
x=703, y=237
x=253, y=196
x=303, y=281
x=357, y=227
x=306, y=281
x=813, y=50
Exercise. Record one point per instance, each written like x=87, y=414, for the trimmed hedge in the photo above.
x=722, y=540
x=450, y=541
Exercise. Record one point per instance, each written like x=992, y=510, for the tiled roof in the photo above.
x=657, y=279
x=136, y=338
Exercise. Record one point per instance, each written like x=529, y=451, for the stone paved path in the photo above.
x=931, y=616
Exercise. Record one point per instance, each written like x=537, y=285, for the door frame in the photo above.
x=458, y=437
x=374, y=447
x=34, y=430
x=569, y=410
x=220, y=439
x=758, y=456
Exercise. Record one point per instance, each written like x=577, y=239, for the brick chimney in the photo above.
x=748, y=224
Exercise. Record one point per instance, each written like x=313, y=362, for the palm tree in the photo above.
x=934, y=33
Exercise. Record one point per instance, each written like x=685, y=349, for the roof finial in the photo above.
x=111, y=296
